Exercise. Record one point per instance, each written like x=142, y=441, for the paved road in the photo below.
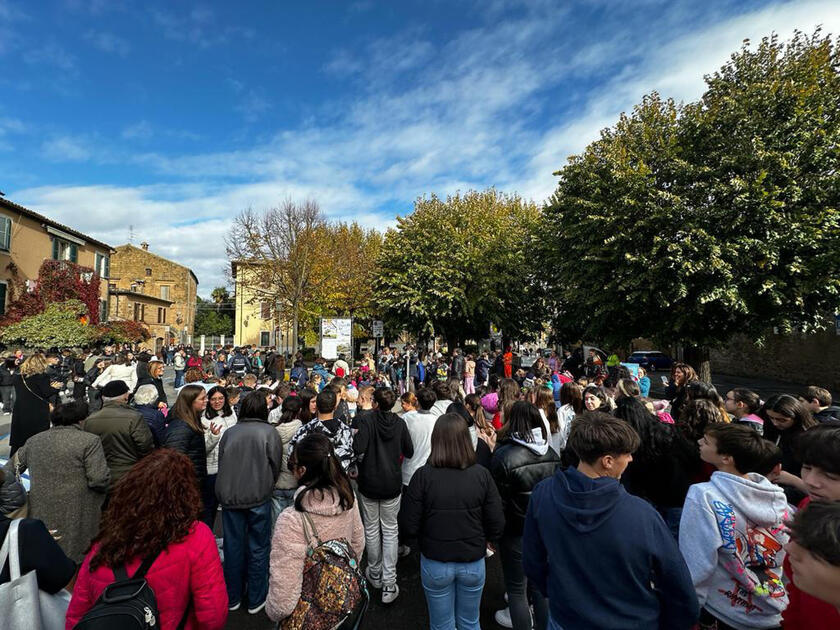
x=408, y=612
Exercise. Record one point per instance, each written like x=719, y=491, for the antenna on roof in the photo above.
x=131, y=234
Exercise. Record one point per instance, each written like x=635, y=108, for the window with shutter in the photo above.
x=5, y=234
x=63, y=250
x=102, y=264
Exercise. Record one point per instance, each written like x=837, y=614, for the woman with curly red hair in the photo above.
x=154, y=514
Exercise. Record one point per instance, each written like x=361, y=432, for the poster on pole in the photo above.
x=336, y=337
x=377, y=328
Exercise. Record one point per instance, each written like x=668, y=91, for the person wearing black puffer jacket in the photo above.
x=185, y=433
x=521, y=460
x=453, y=506
x=380, y=444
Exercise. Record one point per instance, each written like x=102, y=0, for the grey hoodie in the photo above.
x=732, y=536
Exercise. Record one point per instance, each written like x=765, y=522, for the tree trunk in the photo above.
x=698, y=357
x=294, y=330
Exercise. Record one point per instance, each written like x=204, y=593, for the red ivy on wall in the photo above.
x=58, y=281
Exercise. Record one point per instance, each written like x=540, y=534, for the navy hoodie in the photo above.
x=604, y=558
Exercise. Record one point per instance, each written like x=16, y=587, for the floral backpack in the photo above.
x=334, y=594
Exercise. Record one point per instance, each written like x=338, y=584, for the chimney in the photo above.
x=144, y=246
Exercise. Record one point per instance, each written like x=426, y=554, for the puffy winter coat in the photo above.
x=12, y=493
x=184, y=439
x=155, y=419
x=452, y=512
x=187, y=572
x=516, y=470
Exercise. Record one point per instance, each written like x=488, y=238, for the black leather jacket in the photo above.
x=516, y=470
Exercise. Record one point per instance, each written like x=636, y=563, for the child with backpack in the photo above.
x=322, y=536
x=732, y=532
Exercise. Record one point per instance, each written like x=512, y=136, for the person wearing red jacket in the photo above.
x=154, y=513
x=819, y=450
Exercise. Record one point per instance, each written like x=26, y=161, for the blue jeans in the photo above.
x=280, y=500
x=247, y=543
x=453, y=593
x=179, y=379
x=553, y=625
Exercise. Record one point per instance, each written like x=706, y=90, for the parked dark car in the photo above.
x=651, y=360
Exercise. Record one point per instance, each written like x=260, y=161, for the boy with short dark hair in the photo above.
x=732, y=532
x=819, y=452
x=581, y=520
x=818, y=400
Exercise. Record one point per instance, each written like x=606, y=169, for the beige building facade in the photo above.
x=168, y=285
x=27, y=238
x=256, y=321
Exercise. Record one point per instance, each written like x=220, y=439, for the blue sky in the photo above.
x=171, y=117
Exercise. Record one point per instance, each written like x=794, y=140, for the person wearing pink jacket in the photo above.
x=154, y=513
x=325, y=494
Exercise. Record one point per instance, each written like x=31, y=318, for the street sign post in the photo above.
x=377, y=328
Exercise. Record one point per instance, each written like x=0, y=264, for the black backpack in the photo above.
x=127, y=604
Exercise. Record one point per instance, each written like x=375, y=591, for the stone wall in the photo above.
x=129, y=265
x=798, y=358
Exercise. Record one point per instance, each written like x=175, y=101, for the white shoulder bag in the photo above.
x=22, y=603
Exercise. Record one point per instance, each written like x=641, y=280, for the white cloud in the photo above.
x=108, y=42
x=138, y=131
x=11, y=125
x=67, y=149
x=198, y=27
x=252, y=106
x=468, y=112
x=51, y=54
x=676, y=70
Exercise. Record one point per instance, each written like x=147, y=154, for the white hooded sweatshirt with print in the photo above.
x=732, y=535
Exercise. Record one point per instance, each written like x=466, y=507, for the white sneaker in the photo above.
x=234, y=607
x=257, y=608
x=375, y=582
x=390, y=593
x=503, y=618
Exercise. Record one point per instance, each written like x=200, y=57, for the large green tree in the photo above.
x=690, y=224
x=452, y=267
x=213, y=317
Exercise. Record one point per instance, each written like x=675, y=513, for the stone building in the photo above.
x=167, y=285
x=153, y=311
x=27, y=238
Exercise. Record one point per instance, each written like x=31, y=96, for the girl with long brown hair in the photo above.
x=152, y=523
x=453, y=506
x=185, y=432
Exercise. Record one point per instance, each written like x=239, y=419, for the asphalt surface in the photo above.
x=409, y=612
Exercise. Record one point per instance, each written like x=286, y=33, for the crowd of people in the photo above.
x=605, y=507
